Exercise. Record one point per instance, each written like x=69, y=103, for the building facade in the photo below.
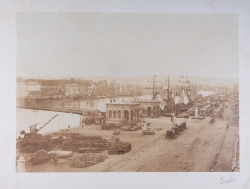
x=30, y=89
x=49, y=90
x=71, y=89
x=149, y=108
x=117, y=112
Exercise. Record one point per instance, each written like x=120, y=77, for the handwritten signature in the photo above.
x=222, y=181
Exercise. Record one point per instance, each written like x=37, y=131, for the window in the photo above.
x=114, y=114
x=110, y=113
x=119, y=114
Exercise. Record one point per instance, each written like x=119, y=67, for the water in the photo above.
x=27, y=117
x=80, y=104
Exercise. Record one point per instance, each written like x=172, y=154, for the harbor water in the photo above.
x=28, y=117
x=97, y=104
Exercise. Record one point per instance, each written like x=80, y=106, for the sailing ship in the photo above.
x=185, y=94
x=168, y=103
x=179, y=97
x=174, y=99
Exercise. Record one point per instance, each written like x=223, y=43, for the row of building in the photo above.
x=33, y=89
x=101, y=88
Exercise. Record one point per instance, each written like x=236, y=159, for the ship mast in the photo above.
x=154, y=92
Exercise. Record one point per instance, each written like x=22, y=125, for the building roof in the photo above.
x=28, y=83
x=122, y=103
x=146, y=101
x=72, y=85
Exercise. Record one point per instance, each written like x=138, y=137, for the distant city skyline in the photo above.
x=145, y=80
x=127, y=45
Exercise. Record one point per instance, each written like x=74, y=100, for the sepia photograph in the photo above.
x=127, y=92
x=134, y=94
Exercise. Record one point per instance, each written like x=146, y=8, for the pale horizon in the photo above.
x=44, y=77
x=127, y=45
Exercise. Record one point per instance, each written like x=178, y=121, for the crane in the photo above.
x=33, y=128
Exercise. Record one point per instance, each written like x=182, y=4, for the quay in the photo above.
x=55, y=109
x=202, y=147
x=207, y=145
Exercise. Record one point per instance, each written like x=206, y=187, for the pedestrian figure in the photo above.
x=55, y=159
x=227, y=126
x=174, y=123
x=51, y=157
x=68, y=126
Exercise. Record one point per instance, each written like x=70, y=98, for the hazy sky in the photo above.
x=126, y=44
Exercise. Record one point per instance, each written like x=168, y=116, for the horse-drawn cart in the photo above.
x=181, y=128
x=170, y=134
x=176, y=130
x=184, y=124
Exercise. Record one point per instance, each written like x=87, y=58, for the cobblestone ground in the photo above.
x=202, y=147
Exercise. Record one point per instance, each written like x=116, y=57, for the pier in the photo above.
x=55, y=109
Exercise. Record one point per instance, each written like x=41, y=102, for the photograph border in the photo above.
x=8, y=39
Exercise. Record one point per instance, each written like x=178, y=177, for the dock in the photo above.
x=55, y=109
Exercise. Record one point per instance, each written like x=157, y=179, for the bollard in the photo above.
x=21, y=164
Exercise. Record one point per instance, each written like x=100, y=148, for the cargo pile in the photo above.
x=87, y=160
x=39, y=157
x=64, y=134
x=109, y=126
x=130, y=128
x=148, y=132
x=85, y=143
x=28, y=149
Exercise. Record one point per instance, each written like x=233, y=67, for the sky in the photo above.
x=127, y=44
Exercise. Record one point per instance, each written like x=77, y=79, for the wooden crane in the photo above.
x=33, y=128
